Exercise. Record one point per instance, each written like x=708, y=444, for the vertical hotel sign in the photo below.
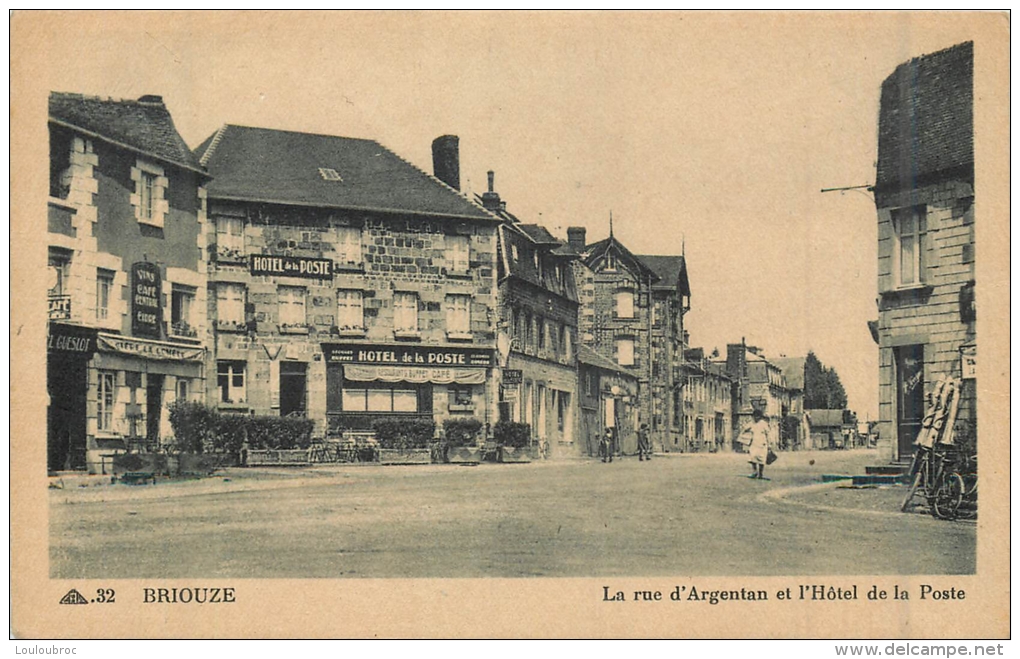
x=146, y=291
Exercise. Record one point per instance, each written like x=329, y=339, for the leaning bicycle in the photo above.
x=955, y=493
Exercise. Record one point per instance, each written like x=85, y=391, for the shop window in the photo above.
x=230, y=299
x=382, y=399
x=107, y=395
x=458, y=314
x=458, y=254
x=460, y=399
x=349, y=310
x=909, y=227
x=348, y=246
x=405, y=312
x=625, y=304
x=291, y=301
x=229, y=238
x=104, y=289
x=182, y=303
x=230, y=379
x=625, y=352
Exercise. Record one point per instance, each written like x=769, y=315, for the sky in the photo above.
x=707, y=133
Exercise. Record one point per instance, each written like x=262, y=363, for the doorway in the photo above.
x=909, y=396
x=67, y=386
x=153, y=408
x=293, y=385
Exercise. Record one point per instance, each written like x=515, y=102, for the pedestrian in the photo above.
x=644, y=445
x=606, y=447
x=758, y=443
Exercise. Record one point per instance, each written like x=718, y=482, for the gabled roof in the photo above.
x=286, y=167
x=597, y=250
x=672, y=272
x=825, y=418
x=588, y=356
x=793, y=370
x=143, y=125
x=539, y=234
x=926, y=118
x=523, y=267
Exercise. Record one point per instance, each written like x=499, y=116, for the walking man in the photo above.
x=644, y=444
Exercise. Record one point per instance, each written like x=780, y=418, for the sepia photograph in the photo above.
x=440, y=324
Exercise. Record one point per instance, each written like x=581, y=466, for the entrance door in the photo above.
x=293, y=385
x=153, y=408
x=909, y=396
x=67, y=385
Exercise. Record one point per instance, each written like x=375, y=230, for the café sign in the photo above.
x=71, y=340
x=412, y=355
x=146, y=309
x=159, y=350
x=60, y=307
x=290, y=266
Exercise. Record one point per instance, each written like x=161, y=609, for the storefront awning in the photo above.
x=414, y=374
x=147, y=349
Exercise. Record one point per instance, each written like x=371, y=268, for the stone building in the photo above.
x=345, y=284
x=126, y=271
x=758, y=384
x=924, y=196
x=608, y=395
x=795, y=434
x=707, y=423
x=538, y=313
x=632, y=313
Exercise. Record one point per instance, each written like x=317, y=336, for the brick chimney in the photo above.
x=576, y=238
x=446, y=160
x=491, y=199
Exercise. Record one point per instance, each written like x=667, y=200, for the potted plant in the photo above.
x=404, y=441
x=513, y=440
x=461, y=440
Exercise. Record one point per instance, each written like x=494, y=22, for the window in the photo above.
x=458, y=314
x=610, y=262
x=349, y=313
x=541, y=332
x=348, y=246
x=589, y=384
x=229, y=237
x=458, y=254
x=514, y=254
x=567, y=347
x=528, y=332
x=181, y=302
x=909, y=260
x=183, y=388
x=624, y=304
x=383, y=399
x=405, y=312
x=59, y=267
x=460, y=397
x=230, y=381
x=107, y=394
x=292, y=306
x=104, y=287
x=657, y=313
x=230, y=300
x=625, y=352
x=149, y=198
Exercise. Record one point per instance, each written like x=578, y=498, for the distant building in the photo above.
x=345, y=284
x=126, y=277
x=632, y=313
x=758, y=384
x=707, y=404
x=608, y=399
x=538, y=312
x=794, y=431
x=924, y=195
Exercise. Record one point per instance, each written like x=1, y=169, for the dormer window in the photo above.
x=329, y=174
x=610, y=262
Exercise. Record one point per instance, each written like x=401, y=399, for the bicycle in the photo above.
x=956, y=488
x=926, y=474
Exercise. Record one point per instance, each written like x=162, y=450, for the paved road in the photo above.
x=690, y=515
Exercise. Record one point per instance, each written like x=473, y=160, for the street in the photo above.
x=689, y=514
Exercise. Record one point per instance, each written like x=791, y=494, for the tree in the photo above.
x=822, y=388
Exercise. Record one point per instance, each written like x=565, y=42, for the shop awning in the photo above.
x=414, y=374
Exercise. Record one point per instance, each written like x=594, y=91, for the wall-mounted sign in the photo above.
x=367, y=353
x=512, y=376
x=968, y=362
x=414, y=374
x=150, y=349
x=71, y=340
x=290, y=266
x=60, y=307
x=146, y=307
